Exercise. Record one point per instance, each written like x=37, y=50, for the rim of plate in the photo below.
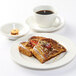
x=66, y=59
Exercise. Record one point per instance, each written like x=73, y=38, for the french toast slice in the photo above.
x=47, y=49
x=24, y=48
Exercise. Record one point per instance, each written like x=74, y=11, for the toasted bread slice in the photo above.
x=47, y=49
x=24, y=48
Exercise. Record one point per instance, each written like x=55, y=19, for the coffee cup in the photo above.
x=45, y=16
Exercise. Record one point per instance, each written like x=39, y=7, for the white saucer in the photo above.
x=6, y=30
x=33, y=63
x=34, y=26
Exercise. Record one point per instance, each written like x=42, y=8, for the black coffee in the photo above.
x=44, y=12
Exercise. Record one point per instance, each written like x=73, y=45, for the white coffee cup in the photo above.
x=45, y=20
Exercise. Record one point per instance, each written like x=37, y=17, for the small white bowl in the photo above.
x=6, y=30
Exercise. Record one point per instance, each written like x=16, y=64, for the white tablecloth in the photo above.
x=18, y=11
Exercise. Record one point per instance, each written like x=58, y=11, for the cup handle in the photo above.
x=58, y=23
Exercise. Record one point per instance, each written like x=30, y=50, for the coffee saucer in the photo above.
x=31, y=21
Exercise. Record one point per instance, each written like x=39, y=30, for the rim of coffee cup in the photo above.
x=46, y=7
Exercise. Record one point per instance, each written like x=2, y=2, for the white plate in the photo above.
x=6, y=30
x=56, y=62
x=33, y=25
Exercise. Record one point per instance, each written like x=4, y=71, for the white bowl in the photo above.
x=6, y=30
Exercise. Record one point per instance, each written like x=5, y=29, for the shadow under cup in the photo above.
x=45, y=16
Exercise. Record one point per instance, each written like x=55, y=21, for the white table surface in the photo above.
x=18, y=11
